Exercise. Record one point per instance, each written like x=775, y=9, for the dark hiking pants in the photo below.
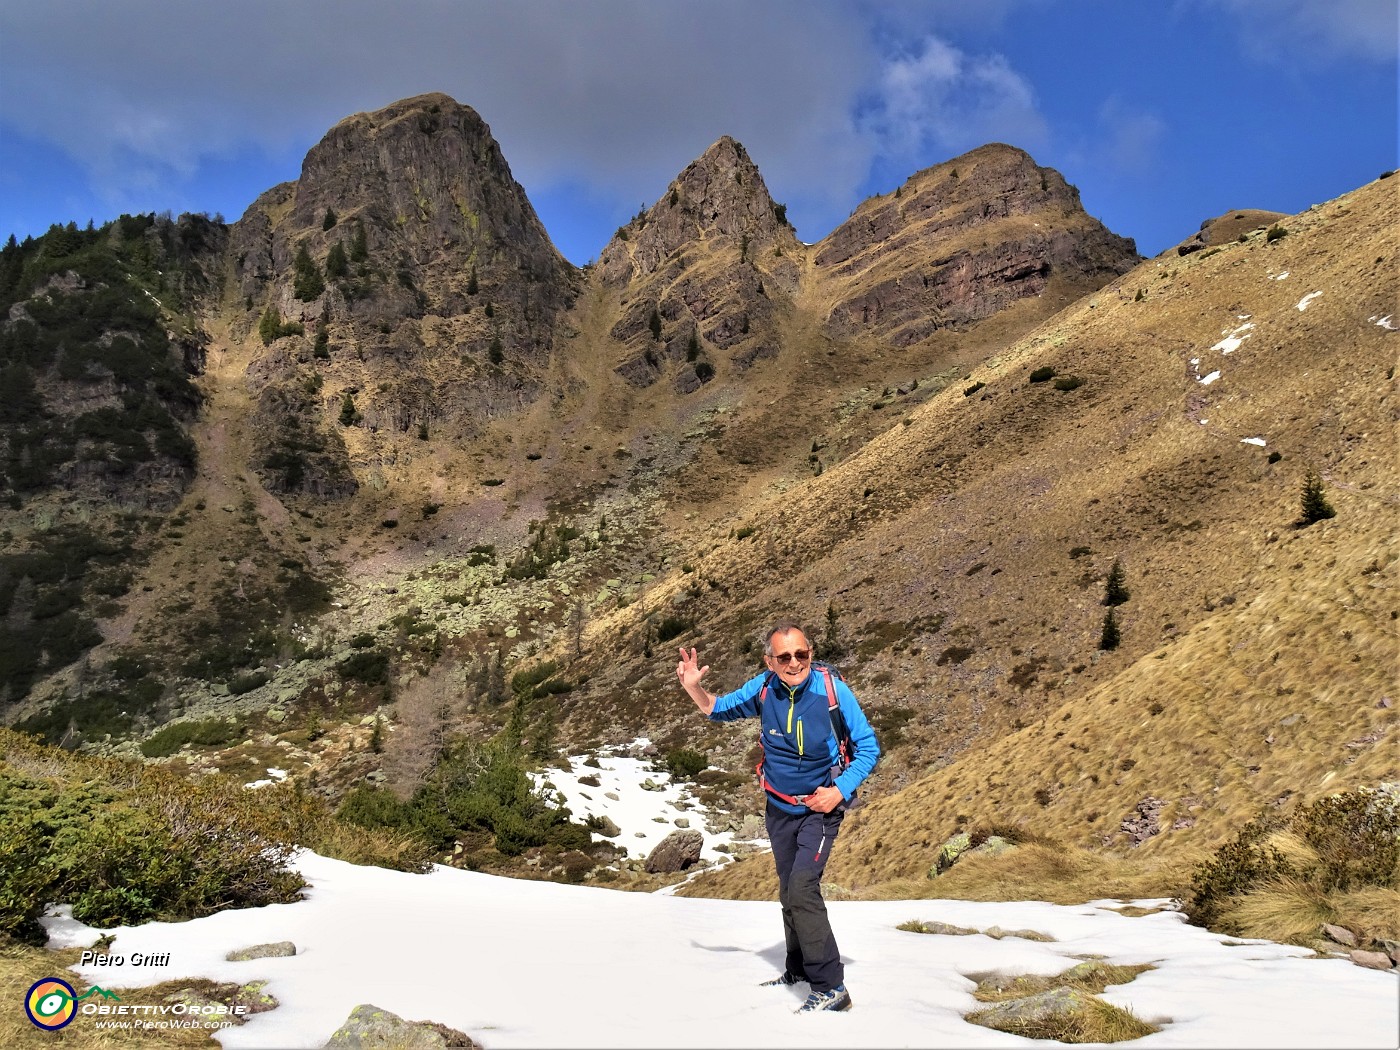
x=801, y=845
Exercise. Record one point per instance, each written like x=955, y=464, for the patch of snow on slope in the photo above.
x=1306, y=301
x=518, y=964
x=1253, y=441
x=1235, y=339
x=645, y=814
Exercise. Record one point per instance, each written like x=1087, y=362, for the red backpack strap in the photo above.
x=833, y=708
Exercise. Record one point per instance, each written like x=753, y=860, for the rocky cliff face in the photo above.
x=427, y=289
x=703, y=273
x=957, y=243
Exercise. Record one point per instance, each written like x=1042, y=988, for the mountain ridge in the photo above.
x=469, y=440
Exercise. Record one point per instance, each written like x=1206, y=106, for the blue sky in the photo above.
x=1163, y=114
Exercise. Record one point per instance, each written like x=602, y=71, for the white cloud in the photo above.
x=940, y=98
x=615, y=97
x=1313, y=31
x=1129, y=139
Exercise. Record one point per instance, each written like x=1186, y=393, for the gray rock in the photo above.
x=682, y=822
x=1373, y=960
x=676, y=852
x=370, y=1028
x=949, y=852
x=751, y=827
x=278, y=950
x=1019, y=1014
x=1142, y=823
x=607, y=827
x=1340, y=934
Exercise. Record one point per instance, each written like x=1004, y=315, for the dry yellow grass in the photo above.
x=1098, y=1022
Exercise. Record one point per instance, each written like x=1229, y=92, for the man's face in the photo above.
x=792, y=657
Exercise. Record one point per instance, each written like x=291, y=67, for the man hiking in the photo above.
x=809, y=783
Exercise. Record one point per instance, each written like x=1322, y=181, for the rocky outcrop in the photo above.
x=703, y=275
x=371, y=1028
x=959, y=242
x=422, y=201
x=407, y=268
x=676, y=852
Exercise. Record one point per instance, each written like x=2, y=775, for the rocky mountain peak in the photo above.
x=422, y=180
x=719, y=197
x=960, y=241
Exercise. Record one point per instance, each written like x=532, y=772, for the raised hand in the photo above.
x=688, y=670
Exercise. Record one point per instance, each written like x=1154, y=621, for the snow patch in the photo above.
x=1279, y=277
x=1383, y=322
x=1208, y=380
x=519, y=964
x=1253, y=441
x=1235, y=339
x=1306, y=301
x=644, y=815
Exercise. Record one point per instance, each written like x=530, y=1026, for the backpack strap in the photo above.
x=838, y=721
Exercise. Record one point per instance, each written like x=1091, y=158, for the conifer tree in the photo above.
x=306, y=278
x=349, y=415
x=270, y=325
x=359, y=246
x=655, y=325
x=1115, y=591
x=831, y=648
x=1315, y=506
x=337, y=265
x=330, y=219
x=1109, y=638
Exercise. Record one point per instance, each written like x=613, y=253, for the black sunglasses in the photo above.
x=801, y=656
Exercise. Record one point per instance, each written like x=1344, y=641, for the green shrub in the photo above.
x=969, y=391
x=1236, y=868
x=125, y=843
x=669, y=627
x=246, y=683
x=1041, y=375
x=527, y=683
x=368, y=666
x=684, y=763
x=1068, y=383
x=1356, y=836
x=213, y=732
x=1275, y=232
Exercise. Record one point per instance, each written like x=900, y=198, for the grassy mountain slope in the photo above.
x=1257, y=661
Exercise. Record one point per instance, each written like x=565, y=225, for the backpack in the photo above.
x=845, y=747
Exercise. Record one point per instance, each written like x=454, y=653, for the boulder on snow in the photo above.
x=370, y=1028
x=676, y=852
x=276, y=950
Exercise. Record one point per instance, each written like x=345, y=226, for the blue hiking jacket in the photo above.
x=799, y=742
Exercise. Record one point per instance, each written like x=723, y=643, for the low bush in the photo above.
x=1330, y=850
x=1042, y=375
x=213, y=732
x=684, y=763
x=669, y=627
x=123, y=843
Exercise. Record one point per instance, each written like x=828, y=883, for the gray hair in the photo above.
x=783, y=627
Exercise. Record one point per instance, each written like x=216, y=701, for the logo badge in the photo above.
x=51, y=1003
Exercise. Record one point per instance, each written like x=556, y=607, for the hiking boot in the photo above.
x=836, y=999
x=783, y=979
